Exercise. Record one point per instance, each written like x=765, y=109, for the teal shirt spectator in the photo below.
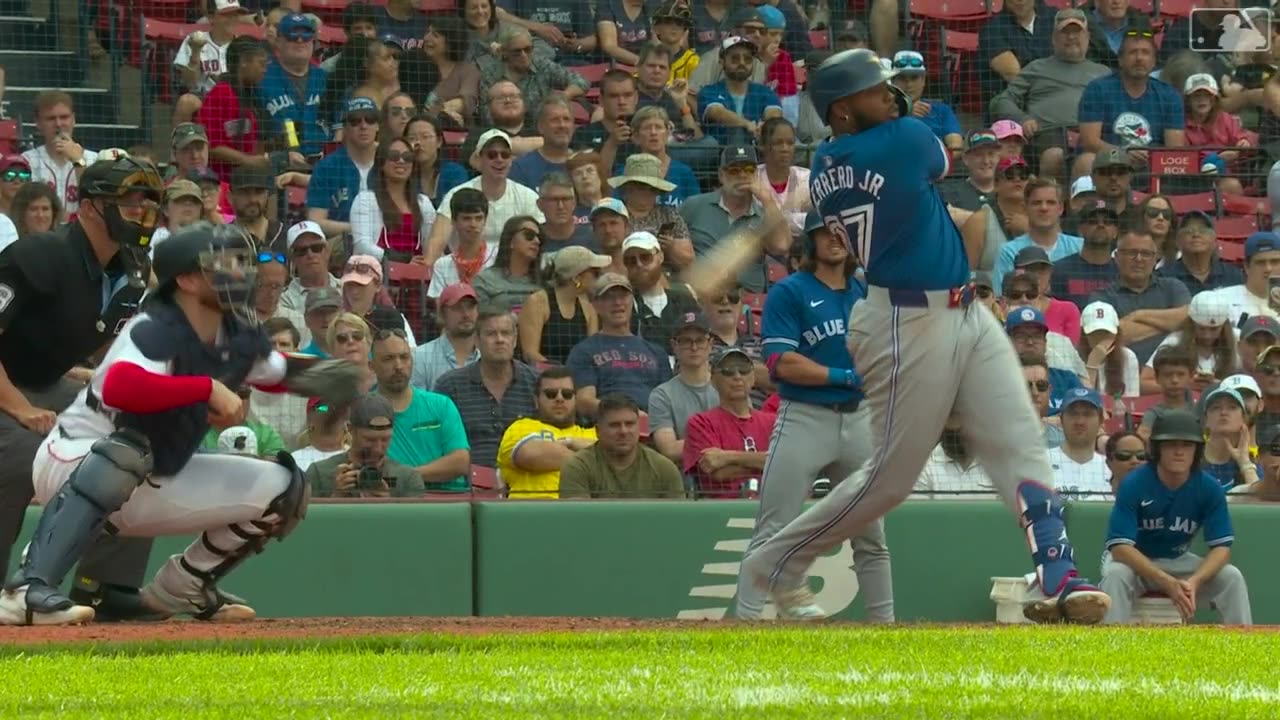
x=1066, y=246
x=314, y=349
x=426, y=431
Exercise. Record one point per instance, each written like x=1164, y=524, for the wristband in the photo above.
x=842, y=377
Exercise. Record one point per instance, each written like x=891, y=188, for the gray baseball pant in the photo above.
x=919, y=364
x=1226, y=592
x=808, y=441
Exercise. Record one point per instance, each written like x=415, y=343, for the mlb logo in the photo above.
x=1230, y=30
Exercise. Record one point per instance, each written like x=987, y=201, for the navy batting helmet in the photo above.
x=843, y=74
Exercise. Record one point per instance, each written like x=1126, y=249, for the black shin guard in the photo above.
x=105, y=479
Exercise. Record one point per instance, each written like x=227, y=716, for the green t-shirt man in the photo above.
x=427, y=430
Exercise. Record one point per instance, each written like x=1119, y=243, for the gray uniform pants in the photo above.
x=111, y=560
x=807, y=441
x=918, y=365
x=1226, y=592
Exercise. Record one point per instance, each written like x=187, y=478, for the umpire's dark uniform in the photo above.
x=60, y=303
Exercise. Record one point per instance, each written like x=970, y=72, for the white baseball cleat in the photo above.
x=14, y=611
x=797, y=604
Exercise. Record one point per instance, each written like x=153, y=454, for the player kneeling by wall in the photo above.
x=1159, y=508
x=122, y=457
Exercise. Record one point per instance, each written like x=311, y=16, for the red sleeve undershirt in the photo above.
x=134, y=389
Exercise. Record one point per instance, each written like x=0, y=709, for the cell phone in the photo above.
x=627, y=118
x=1273, y=292
x=666, y=229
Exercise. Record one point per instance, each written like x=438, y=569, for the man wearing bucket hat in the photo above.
x=1159, y=509
x=642, y=187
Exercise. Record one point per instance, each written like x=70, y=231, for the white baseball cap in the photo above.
x=641, y=240
x=1082, y=185
x=1200, y=81
x=1099, y=316
x=306, y=227
x=1243, y=381
x=238, y=440
x=1208, y=311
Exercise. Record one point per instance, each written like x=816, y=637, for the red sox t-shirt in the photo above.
x=719, y=428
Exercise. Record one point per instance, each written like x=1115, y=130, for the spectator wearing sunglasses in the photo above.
x=1036, y=374
x=309, y=251
x=326, y=434
x=293, y=85
x=513, y=277
x=272, y=278
x=1079, y=470
x=1267, y=486
x=936, y=114
x=1004, y=217
x=1267, y=371
x=1129, y=109
x=363, y=295
x=343, y=174
x=493, y=392
x=725, y=315
x=1125, y=451
x=392, y=220
x=14, y=173
x=534, y=448
x=1061, y=316
x=1031, y=338
x=726, y=446
x=1010, y=41
x=1076, y=277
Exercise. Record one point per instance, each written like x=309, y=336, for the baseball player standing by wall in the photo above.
x=122, y=456
x=924, y=349
x=821, y=426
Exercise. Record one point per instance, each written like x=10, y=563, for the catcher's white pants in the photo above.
x=211, y=492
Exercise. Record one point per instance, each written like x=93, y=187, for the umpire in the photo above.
x=820, y=431
x=64, y=296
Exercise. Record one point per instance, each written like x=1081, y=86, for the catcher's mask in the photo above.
x=127, y=193
x=224, y=254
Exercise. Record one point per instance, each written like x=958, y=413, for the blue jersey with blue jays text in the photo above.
x=803, y=315
x=1161, y=522
x=280, y=93
x=875, y=190
x=335, y=182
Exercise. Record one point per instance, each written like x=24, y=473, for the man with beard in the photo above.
x=538, y=78
x=661, y=306
x=251, y=189
x=508, y=113
x=733, y=109
x=1129, y=109
x=456, y=345
x=1076, y=277
x=820, y=431
x=309, y=251
x=1044, y=96
x=364, y=470
x=534, y=448
x=493, y=392
x=428, y=435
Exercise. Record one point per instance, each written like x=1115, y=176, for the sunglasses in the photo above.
x=363, y=269
x=1024, y=295
x=732, y=298
x=562, y=393
x=1137, y=254
x=390, y=332
x=1112, y=172
x=362, y=119
x=312, y=249
x=16, y=176
x=638, y=259
x=1269, y=369
x=1016, y=173
x=1038, y=385
x=400, y=156
x=530, y=235
x=498, y=154
x=984, y=292
x=267, y=256
x=1154, y=213
x=981, y=137
x=909, y=63
x=738, y=170
x=1127, y=455
x=299, y=36
x=346, y=337
x=401, y=111
x=731, y=372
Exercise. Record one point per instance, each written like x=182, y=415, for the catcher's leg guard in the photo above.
x=1069, y=598
x=183, y=585
x=105, y=479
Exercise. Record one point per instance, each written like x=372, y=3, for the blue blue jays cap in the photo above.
x=1025, y=315
x=1082, y=395
x=361, y=105
x=296, y=27
x=1261, y=241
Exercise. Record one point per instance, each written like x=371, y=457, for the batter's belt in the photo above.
x=954, y=298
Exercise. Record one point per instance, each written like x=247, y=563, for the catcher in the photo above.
x=122, y=457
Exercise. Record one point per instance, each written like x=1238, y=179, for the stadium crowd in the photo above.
x=491, y=211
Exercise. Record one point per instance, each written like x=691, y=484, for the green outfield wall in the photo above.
x=649, y=559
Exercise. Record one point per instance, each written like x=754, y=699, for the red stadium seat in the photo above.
x=749, y=324
x=485, y=482
x=819, y=39
x=755, y=301
x=455, y=137
x=580, y=114
x=1232, y=252
x=1176, y=8
x=950, y=12
x=297, y=196
x=592, y=73
x=156, y=29
x=438, y=7
x=9, y=134
x=775, y=271
x=1245, y=205
x=398, y=272
x=1204, y=202
x=330, y=11
x=960, y=52
x=1146, y=7
x=170, y=10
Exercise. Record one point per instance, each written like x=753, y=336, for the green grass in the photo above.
x=777, y=672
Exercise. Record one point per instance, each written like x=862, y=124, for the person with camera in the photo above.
x=364, y=470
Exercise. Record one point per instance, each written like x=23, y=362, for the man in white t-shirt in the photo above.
x=1261, y=262
x=507, y=198
x=59, y=162
x=1079, y=470
x=202, y=57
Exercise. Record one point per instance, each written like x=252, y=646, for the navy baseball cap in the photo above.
x=1261, y=241
x=738, y=155
x=693, y=319
x=1031, y=255
x=982, y=138
x=1082, y=395
x=1025, y=315
x=1199, y=215
x=358, y=105
x=1098, y=207
x=812, y=221
x=1255, y=324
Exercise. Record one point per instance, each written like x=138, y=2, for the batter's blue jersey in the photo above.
x=1161, y=522
x=803, y=315
x=875, y=190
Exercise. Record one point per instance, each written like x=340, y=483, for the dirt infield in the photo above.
x=323, y=628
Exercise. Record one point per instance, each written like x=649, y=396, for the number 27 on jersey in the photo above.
x=853, y=227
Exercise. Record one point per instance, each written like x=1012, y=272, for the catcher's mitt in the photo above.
x=334, y=381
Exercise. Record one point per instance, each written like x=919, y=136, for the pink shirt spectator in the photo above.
x=1063, y=318
x=1223, y=130
x=719, y=428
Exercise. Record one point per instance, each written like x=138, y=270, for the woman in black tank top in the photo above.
x=558, y=317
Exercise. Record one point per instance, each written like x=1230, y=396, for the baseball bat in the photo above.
x=717, y=271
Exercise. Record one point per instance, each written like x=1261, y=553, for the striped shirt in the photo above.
x=485, y=417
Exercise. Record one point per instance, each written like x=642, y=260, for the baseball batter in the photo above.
x=922, y=346
x=822, y=429
x=122, y=456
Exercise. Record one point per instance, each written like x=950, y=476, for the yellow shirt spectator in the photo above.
x=682, y=67
x=534, y=483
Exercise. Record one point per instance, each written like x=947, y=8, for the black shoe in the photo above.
x=116, y=603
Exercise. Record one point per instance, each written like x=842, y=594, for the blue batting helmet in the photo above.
x=812, y=222
x=843, y=74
